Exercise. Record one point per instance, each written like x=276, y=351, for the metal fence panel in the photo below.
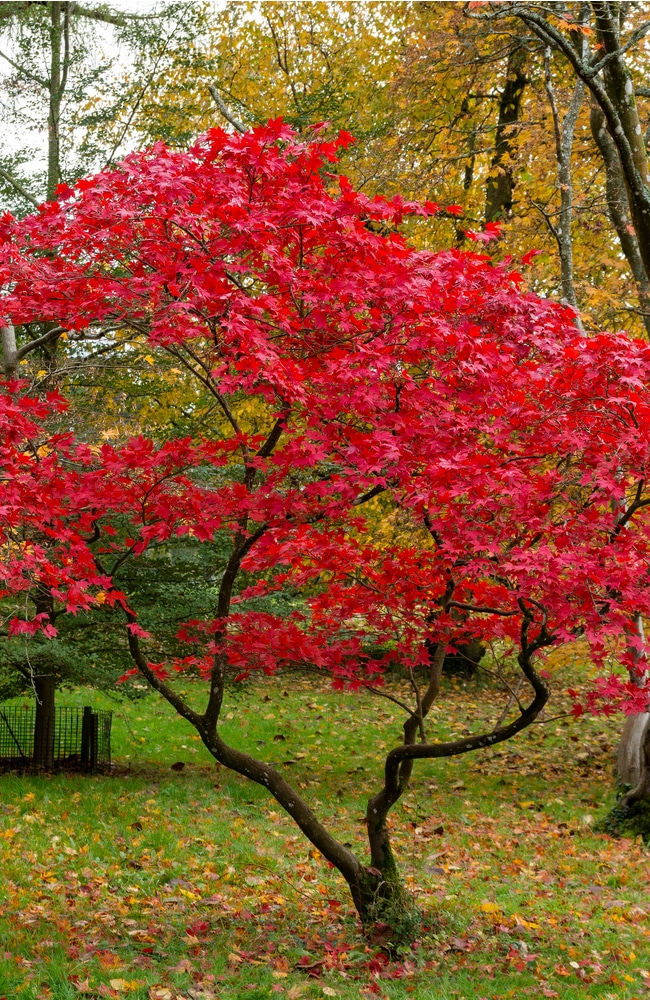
x=82, y=737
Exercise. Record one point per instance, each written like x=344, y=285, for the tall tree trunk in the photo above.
x=59, y=64
x=564, y=131
x=619, y=209
x=500, y=185
x=9, y=358
x=44, y=688
x=633, y=759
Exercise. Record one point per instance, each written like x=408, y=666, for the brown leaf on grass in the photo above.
x=82, y=985
x=462, y=944
x=381, y=933
x=183, y=966
x=160, y=993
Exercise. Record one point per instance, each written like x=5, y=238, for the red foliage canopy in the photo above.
x=350, y=369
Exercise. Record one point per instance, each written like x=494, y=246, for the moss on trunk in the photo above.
x=386, y=907
x=631, y=820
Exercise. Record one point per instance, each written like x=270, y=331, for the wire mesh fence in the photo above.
x=73, y=738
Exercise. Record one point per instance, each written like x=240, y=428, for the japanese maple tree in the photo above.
x=347, y=377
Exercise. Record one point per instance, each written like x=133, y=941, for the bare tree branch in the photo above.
x=223, y=108
x=19, y=186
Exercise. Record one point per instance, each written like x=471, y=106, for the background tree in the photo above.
x=607, y=69
x=61, y=91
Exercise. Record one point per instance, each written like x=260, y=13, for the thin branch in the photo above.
x=374, y=492
x=223, y=108
x=138, y=100
x=20, y=188
x=109, y=17
x=21, y=69
x=381, y=693
x=66, y=49
x=480, y=609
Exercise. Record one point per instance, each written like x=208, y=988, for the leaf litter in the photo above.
x=146, y=886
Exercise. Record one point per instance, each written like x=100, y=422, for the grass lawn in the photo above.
x=160, y=883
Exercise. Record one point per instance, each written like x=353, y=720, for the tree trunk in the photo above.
x=500, y=185
x=44, y=686
x=56, y=92
x=630, y=817
x=9, y=353
x=564, y=133
x=386, y=908
x=619, y=209
x=633, y=759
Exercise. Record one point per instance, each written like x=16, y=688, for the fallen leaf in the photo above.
x=124, y=985
x=461, y=944
x=183, y=966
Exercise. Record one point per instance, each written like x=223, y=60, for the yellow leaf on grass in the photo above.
x=490, y=908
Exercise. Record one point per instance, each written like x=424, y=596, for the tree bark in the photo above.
x=57, y=15
x=500, y=185
x=633, y=759
x=619, y=209
x=9, y=352
x=44, y=728
x=564, y=132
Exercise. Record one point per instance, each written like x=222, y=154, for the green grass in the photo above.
x=193, y=883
